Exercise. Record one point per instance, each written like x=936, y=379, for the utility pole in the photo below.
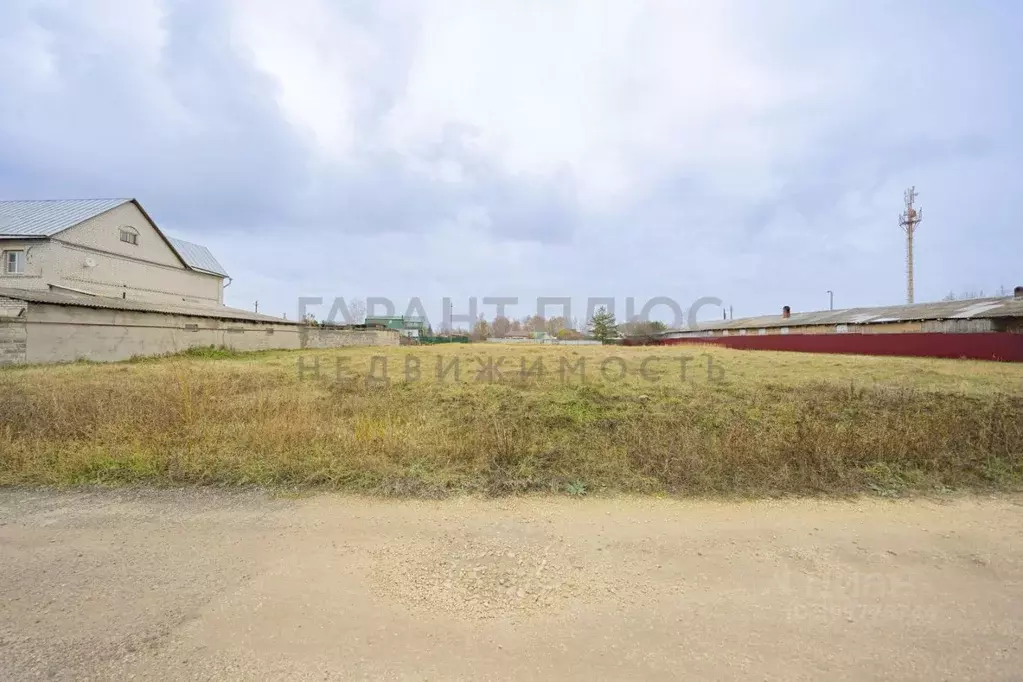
x=257, y=306
x=909, y=220
x=831, y=299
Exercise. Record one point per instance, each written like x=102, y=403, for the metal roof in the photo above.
x=48, y=217
x=45, y=218
x=85, y=301
x=197, y=257
x=944, y=310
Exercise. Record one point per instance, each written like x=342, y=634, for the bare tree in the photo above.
x=500, y=326
x=554, y=325
x=536, y=323
x=964, y=295
x=357, y=311
x=480, y=330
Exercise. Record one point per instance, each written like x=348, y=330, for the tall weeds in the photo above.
x=231, y=421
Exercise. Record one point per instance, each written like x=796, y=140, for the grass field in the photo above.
x=756, y=423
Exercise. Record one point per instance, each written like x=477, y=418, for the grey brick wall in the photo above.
x=12, y=341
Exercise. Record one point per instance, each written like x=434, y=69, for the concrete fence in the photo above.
x=39, y=333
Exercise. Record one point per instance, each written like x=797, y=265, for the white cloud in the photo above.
x=750, y=150
x=315, y=56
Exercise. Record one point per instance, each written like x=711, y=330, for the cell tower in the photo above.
x=909, y=219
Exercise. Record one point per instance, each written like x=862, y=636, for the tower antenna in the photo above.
x=909, y=220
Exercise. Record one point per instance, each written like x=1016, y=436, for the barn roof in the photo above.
x=995, y=307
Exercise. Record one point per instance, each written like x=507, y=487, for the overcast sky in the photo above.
x=754, y=151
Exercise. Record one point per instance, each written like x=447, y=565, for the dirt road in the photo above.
x=213, y=585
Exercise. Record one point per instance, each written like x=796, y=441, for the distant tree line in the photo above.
x=967, y=294
x=602, y=326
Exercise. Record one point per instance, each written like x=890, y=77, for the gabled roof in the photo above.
x=197, y=257
x=49, y=217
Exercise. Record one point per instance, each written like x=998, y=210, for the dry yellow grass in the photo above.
x=758, y=423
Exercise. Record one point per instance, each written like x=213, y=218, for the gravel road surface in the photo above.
x=206, y=584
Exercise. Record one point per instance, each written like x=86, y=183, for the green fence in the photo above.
x=443, y=339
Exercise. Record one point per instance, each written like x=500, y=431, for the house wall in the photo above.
x=150, y=271
x=102, y=233
x=117, y=276
x=36, y=255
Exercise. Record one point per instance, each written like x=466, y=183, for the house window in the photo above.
x=14, y=262
x=129, y=236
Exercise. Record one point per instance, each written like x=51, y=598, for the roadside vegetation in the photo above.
x=753, y=423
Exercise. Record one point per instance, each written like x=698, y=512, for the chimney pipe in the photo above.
x=1017, y=293
x=786, y=312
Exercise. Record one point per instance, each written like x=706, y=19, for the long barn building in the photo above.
x=983, y=328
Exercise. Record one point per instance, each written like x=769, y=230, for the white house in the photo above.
x=103, y=247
